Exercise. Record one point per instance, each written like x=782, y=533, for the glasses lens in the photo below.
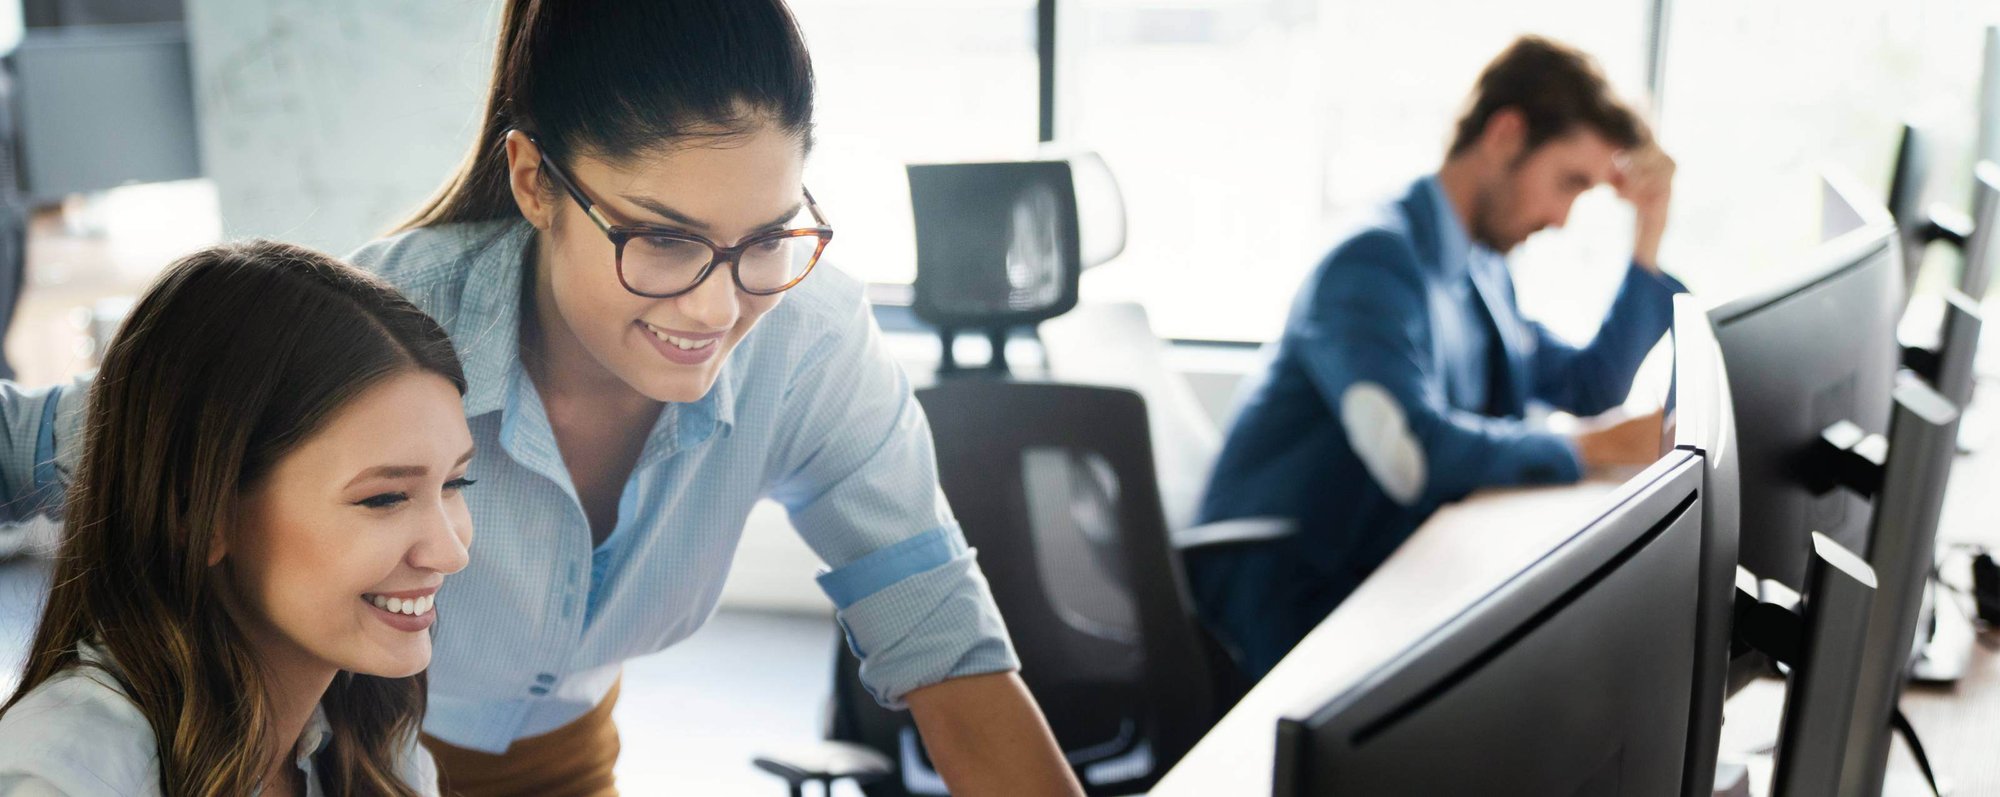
x=774, y=263
x=662, y=265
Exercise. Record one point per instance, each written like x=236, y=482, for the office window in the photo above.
x=903, y=81
x=1761, y=97
x=1245, y=132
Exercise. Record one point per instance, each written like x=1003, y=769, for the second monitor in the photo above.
x=1572, y=678
x=1817, y=350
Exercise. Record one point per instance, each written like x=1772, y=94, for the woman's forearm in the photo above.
x=986, y=736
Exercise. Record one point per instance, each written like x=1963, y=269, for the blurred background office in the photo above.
x=1241, y=134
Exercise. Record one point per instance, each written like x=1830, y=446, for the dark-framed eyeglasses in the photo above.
x=662, y=262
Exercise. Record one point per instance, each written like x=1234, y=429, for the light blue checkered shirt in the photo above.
x=808, y=410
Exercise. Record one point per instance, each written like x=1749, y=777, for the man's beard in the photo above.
x=1486, y=226
x=1491, y=204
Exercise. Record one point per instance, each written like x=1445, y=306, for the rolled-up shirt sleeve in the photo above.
x=40, y=444
x=859, y=477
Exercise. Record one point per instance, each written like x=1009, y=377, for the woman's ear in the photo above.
x=524, y=178
x=218, y=546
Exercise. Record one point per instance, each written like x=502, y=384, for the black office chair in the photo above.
x=1054, y=485
x=1001, y=245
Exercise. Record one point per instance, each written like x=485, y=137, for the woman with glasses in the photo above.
x=627, y=263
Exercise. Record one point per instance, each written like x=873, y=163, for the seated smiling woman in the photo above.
x=268, y=500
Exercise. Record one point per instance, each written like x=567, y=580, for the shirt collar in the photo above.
x=1454, y=245
x=313, y=739
x=317, y=735
x=487, y=333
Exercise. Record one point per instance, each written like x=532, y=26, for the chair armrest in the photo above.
x=1234, y=532
x=825, y=761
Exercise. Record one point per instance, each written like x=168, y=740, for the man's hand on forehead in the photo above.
x=1642, y=171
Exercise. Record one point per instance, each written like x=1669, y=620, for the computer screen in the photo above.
x=1571, y=678
x=1906, y=203
x=1816, y=349
x=1704, y=422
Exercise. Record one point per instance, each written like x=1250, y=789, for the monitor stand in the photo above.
x=996, y=362
x=1732, y=779
x=1944, y=650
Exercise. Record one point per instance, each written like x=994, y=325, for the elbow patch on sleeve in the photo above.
x=1380, y=433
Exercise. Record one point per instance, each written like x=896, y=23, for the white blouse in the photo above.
x=77, y=735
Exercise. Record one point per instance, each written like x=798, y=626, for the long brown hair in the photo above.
x=621, y=79
x=237, y=355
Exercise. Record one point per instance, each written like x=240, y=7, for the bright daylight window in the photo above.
x=1245, y=133
x=909, y=81
x=1832, y=87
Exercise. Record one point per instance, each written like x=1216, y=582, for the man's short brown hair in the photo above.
x=1557, y=88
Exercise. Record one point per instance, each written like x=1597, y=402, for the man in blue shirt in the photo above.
x=1405, y=366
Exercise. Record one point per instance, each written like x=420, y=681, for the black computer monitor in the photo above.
x=1817, y=349
x=1981, y=247
x=1571, y=678
x=1918, y=225
x=1906, y=201
x=1703, y=421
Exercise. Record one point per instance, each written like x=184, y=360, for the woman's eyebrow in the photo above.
x=676, y=217
x=404, y=471
x=389, y=472
x=660, y=209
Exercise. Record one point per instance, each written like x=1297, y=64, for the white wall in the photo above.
x=324, y=123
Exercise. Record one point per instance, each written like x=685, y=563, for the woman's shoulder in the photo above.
x=829, y=306
x=427, y=255
x=78, y=734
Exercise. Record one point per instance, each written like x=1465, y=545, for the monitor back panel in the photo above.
x=1798, y=363
x=1574, y=679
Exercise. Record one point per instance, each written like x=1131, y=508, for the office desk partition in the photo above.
x=1462, y=553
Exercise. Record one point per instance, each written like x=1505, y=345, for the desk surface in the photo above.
x=1462, y=553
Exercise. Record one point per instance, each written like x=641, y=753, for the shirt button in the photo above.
x=545, y=678
x=538, y=690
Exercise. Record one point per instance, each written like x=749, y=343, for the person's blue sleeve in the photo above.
x=1593, y=378
x=40, y=443
x=1367, y=323
x=860, y=482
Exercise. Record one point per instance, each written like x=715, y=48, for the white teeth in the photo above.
x=409, y=606
x=683, y=344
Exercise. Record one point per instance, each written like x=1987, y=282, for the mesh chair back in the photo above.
x=1054, y=485
x=997, y=243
